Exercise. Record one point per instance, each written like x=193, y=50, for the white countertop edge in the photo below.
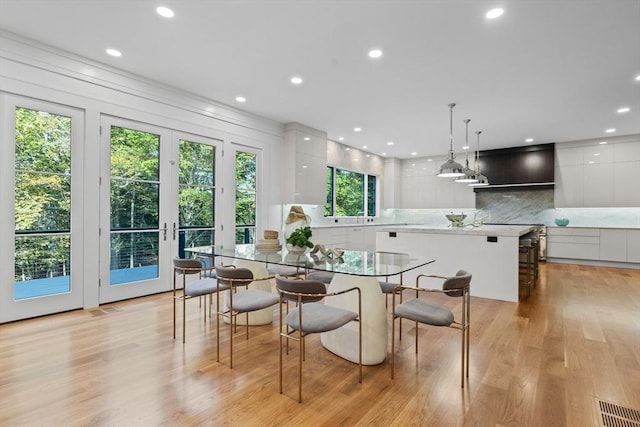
x=485, y=230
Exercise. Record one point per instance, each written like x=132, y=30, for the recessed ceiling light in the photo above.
x=165, y=12
x=596, y=154
x=390, y=143
x=602, y=142
x=612, y=130
x=622, y=110
x=296, y=80
x=429, y=160
x=341, y=138
x=356, y=129
x=304, y=166
x=591, y=162
x=384, y=154
x=241, y=99
x=529, y=140
x=637, y=78
x=375, y=53
x=364, y=147
x=114, y=52
x=494, y=13
x=306, y=138
x=465, y=147
x=414, y=154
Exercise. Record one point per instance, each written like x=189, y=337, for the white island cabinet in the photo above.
x=489, y=253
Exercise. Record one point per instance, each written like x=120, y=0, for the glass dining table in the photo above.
x=353, y=268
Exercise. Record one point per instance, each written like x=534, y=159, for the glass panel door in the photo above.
x=196, y=194
x=245, y=197
x=44, y=236
x=139, y=250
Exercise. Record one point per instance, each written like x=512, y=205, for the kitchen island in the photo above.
x=488, y=252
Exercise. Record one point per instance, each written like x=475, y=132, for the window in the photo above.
x=196, y=197
x=245, y=197
x=135, y=192
x=42, y=203
x=350, y=193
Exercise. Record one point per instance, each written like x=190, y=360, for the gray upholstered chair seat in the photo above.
x=425, y=311
x=253, y=299
x=387, y=288
x=203, y=287
x=321, y=276
x=318, y=318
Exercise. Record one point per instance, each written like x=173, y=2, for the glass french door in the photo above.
x=41, y=192
x=135, y=236
x=196, y=182
x=160, y=193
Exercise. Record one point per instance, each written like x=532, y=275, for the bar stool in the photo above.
x=526, y=261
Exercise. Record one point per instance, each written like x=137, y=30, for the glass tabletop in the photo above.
x=359, y=263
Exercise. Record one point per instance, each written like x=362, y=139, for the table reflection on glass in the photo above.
x=353, y=268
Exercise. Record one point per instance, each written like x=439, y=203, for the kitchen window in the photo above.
x=350, y=193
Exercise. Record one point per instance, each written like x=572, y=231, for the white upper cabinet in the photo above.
x=304, y=165
x=590, y=174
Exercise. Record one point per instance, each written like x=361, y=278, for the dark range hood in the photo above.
x=530, y=167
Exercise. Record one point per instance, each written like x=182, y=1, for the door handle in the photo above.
x=174, y=231
x=164, y=232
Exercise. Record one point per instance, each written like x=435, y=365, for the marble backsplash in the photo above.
x=514, y=206
x=504, y=206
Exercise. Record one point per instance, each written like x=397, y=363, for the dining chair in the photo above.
x=312, y=317
x=239, y=302
x=201, y=287
x=432, y=313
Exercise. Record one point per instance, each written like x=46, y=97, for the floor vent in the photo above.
x=106, y=310
x=613, y=415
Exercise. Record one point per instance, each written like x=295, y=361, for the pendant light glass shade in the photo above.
x=451, y=168
x=469, y=174
x=482, y=180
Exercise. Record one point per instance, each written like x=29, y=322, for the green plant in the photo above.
x=300, y=237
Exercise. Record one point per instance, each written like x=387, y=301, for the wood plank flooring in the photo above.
x=540, y=362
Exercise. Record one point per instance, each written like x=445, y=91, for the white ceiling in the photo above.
x=550, y=70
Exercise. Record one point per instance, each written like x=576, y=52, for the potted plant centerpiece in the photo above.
x=298, y=241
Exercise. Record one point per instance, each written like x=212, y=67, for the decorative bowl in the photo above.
x=562, y=222
x=457, y=220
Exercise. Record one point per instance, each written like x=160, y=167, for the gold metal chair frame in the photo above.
x=463, y=326
x=230, y=314
x=184, y=272
x=300, y=336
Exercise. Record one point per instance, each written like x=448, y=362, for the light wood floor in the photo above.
x=540, y=362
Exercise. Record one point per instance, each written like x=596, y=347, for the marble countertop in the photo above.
x=484, y=230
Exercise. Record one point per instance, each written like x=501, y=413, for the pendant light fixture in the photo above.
x=482, y=180
x=469, y=175
x=451, y=168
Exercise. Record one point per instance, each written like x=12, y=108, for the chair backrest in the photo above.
x=305, y=287
x=187, y=265
x=460, y=281
x=238, y=276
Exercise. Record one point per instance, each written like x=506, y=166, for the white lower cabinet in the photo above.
x=613, y=245
x=573, y=243
x=633, y=246
x=595, y=244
